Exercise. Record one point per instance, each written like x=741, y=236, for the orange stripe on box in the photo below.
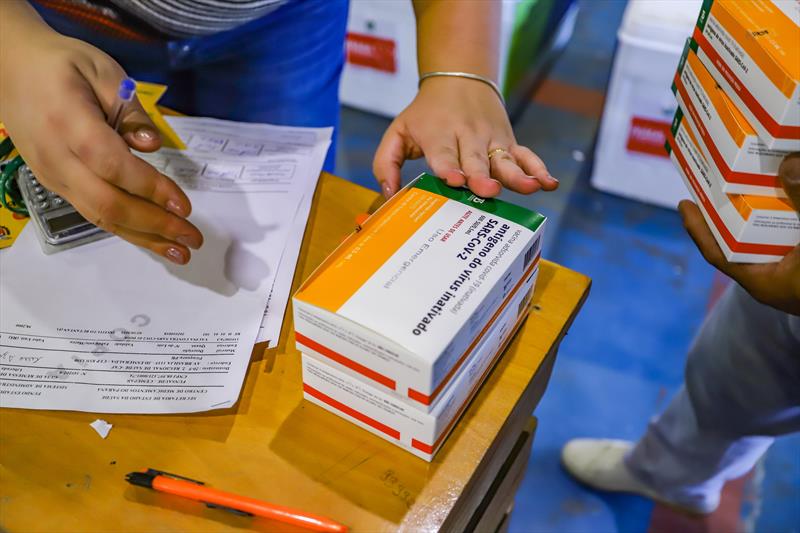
x=344, y=361
x=729, y=175
x=741, y=205
x=425, y=399
x=769, y=123
x=730, y=240
x=737, y=131
x=339, y=406
x=768, y=202
x=744, y=20
x=428, y=448
x=358, y=261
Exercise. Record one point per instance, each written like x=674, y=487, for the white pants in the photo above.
x=742, y=388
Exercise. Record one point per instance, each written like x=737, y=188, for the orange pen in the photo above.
x=241, y=505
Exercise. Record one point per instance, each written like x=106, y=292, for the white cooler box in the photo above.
x=630, y=158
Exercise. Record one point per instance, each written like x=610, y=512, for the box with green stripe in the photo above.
x=404, y=301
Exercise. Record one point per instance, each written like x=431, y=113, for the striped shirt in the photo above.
x=186, y=18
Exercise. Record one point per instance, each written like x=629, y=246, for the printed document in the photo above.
x=279, y=296
x=109, y=327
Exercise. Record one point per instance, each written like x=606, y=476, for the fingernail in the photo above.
x=175, y=255
x=145, y=135
x=387, y=190
x=187, y=240
x=553, y=178
x=459, y=171
x=175, y=207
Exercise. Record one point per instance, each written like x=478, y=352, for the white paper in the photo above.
x=279, y=295
x=109, y=327
x=102, y=427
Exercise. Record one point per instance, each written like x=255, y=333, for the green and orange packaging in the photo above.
x=403, y=303
x=752, y=49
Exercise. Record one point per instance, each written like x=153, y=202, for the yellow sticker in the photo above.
x=10, y=223
x=10, y=226
x=149, y=94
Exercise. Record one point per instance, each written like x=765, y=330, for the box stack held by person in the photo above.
x=738, y=90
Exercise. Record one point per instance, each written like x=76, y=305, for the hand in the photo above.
x=455, y=123
x=774, y=284
x=55, y=94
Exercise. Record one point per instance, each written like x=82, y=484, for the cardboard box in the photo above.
x=745, y=164
x=405, y=301
x=748, y=229
x=751, y=48
x=420, y=432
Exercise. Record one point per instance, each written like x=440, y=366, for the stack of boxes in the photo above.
x=399, y=327
x=738, y=90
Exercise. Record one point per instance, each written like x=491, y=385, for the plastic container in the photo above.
x=630, y=158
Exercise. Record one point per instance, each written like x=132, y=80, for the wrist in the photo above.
x=459, y=82
x=20, y=21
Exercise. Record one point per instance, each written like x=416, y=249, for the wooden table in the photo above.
x=57, y=474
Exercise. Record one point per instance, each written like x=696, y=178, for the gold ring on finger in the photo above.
x=496, y=151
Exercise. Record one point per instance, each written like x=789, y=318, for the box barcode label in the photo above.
x=531, y=253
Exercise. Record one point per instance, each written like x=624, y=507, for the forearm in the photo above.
x=19, y=24
x=19, y=19
x=458, y=35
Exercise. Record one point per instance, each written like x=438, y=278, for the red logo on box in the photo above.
x=371, y=52
x=648, y=136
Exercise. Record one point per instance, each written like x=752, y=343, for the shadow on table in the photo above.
x=373, y=474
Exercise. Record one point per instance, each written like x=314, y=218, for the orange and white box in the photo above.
x=378, y=411
x=748, y=229
x=751, y=48
x=745, y=164
x=404, y=302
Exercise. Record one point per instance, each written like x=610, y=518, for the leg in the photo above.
x=742, y=388
x=687, y=465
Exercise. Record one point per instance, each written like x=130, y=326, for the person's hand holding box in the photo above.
x=774, y=284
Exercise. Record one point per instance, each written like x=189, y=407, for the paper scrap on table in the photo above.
x=101, y=427
x=133, y=333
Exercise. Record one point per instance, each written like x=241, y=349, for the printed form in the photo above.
x=109, y=327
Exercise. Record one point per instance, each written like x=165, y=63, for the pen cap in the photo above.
x=127, y=88
x=143, y=479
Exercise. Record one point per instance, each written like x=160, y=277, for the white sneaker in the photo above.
x=599, y=464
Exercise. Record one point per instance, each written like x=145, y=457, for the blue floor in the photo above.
x=624, y=355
